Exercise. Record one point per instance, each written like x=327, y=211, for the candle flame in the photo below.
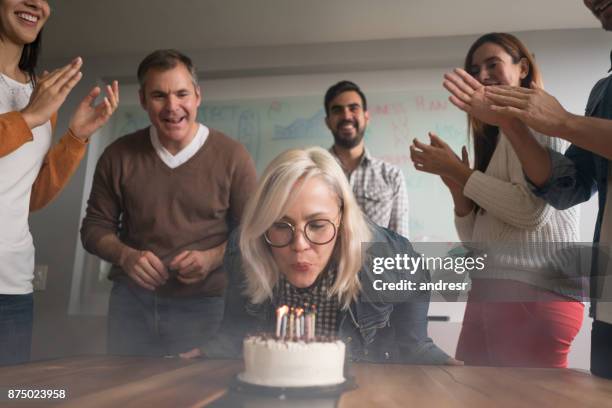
x=283, y=310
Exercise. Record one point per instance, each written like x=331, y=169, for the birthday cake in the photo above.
x=294, y=356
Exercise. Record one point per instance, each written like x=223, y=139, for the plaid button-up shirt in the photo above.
x=380, y=190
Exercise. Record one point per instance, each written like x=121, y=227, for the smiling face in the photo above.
x=492, y=65
x=347, y=119
x=301, y=261
x=171, y=99
x=602, y=10
x=22, y=20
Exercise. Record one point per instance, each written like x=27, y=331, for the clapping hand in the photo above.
x=89, y=117
x=438, y=158
x=470, y=96
x=50, y=92
x=533, y=106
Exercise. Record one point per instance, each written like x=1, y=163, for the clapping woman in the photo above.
x=32, y=171
x=514, y=315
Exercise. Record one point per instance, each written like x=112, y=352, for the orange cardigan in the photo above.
x=58, y=165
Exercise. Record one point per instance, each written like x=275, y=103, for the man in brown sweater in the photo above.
x=162, y=204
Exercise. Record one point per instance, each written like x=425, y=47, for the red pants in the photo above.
x=518, y=333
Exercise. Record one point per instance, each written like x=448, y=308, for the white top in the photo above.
x=18, y=171
x=186, y=153
x=603, y=310
x=510, y=212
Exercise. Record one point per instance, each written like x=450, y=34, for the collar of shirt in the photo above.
x=173, y=161
x=610, y=61
x=17, y=95
x=321, y=284
x=365, y=159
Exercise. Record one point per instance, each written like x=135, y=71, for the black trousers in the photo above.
x=601, y=349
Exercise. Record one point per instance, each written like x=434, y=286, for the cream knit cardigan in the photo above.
x=511, y=213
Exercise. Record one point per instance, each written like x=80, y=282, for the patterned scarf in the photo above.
x=318, y=294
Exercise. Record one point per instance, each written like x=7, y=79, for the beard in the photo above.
x=348, y=142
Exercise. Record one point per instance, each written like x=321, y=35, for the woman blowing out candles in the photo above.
x=526, y=322
x=300, y=244
x=31, y=171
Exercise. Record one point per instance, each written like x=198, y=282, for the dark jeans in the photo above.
x=140, y=322
x=601, y=349
x=16, y=316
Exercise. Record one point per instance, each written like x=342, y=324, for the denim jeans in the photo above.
x=16, y=316
x=141, y=322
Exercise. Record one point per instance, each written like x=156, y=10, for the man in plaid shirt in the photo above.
x=379, y=187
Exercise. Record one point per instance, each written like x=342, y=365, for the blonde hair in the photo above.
x=269, y=204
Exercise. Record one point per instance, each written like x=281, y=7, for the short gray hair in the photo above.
x=164, y=60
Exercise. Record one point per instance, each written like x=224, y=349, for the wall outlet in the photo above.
x=40, y=277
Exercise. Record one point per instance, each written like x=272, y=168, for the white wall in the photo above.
x=571, y=61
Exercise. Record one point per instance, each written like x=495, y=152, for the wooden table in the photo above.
x=122, y=382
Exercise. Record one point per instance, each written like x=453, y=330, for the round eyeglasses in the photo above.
x=318, y=232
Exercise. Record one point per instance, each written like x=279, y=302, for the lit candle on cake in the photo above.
x=299, y=323
x=307, y=325
x=280, y=312
x=284, y=327
x=314, y=320
x=292, y=324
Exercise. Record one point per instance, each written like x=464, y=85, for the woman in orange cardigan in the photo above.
x=31, y=171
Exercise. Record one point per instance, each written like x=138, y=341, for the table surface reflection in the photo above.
x=119, y=382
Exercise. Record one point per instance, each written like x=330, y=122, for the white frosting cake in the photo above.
x=280, y=363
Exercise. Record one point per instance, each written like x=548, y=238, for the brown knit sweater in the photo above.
x=166, y=211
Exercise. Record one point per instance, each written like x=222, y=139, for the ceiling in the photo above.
x=123, y=27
